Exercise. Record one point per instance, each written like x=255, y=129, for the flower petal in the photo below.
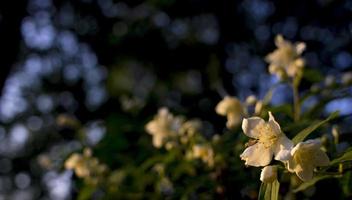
x=257, y=155
x=157, y=141
x=291, y=165
x=321, y=159
x=309, y=145
x=305, y=173
x=279, y=40
x=227, y=105
x=305, y=157
x=282, y=150
x=313, y=143
x=300, y=47
x=73, y=160
x=274, y=125
x=233, y=120
x=249, y=124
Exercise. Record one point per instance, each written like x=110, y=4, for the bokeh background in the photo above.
x=111, y=64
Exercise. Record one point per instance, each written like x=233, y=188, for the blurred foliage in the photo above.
x=82, y=79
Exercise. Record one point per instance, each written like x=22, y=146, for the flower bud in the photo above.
x=87, y=152
x=347, y=78
x=170, y=145
x=258, y=107
x=251, y=100
x=269, y=174
x=335, y=134
x=229, y=105
x=215, y=138
x=330, y=81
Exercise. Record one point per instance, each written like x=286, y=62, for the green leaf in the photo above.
x=313, y=75
x=314, y=180
x=269, y=191
x=285, y=109
x=267, y=195
x=262, y=190
x=305, y=132
x=346, y=183
x=347, y=156
x=86, y=192
x=275, y=186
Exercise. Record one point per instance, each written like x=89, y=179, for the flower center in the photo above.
x=267, y=135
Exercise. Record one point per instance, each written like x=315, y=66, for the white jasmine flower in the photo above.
x=191, y=127
x=286, y=60
x=77, y=163
x=232, y=108
x=269, y=141
x=85, y=166
x=163, y=125
x=73, y=160
x=305, y=157
x=268, y=174
x=203, y=152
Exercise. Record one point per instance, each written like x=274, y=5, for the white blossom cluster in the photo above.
x=270, y=142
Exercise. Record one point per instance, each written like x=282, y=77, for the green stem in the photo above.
x=296, y=103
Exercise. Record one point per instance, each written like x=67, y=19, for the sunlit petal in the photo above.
x=321, y=159
x=249, y=124
x=306, y=173
x=273, y=123
x=257, y=155
x=283, y=148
